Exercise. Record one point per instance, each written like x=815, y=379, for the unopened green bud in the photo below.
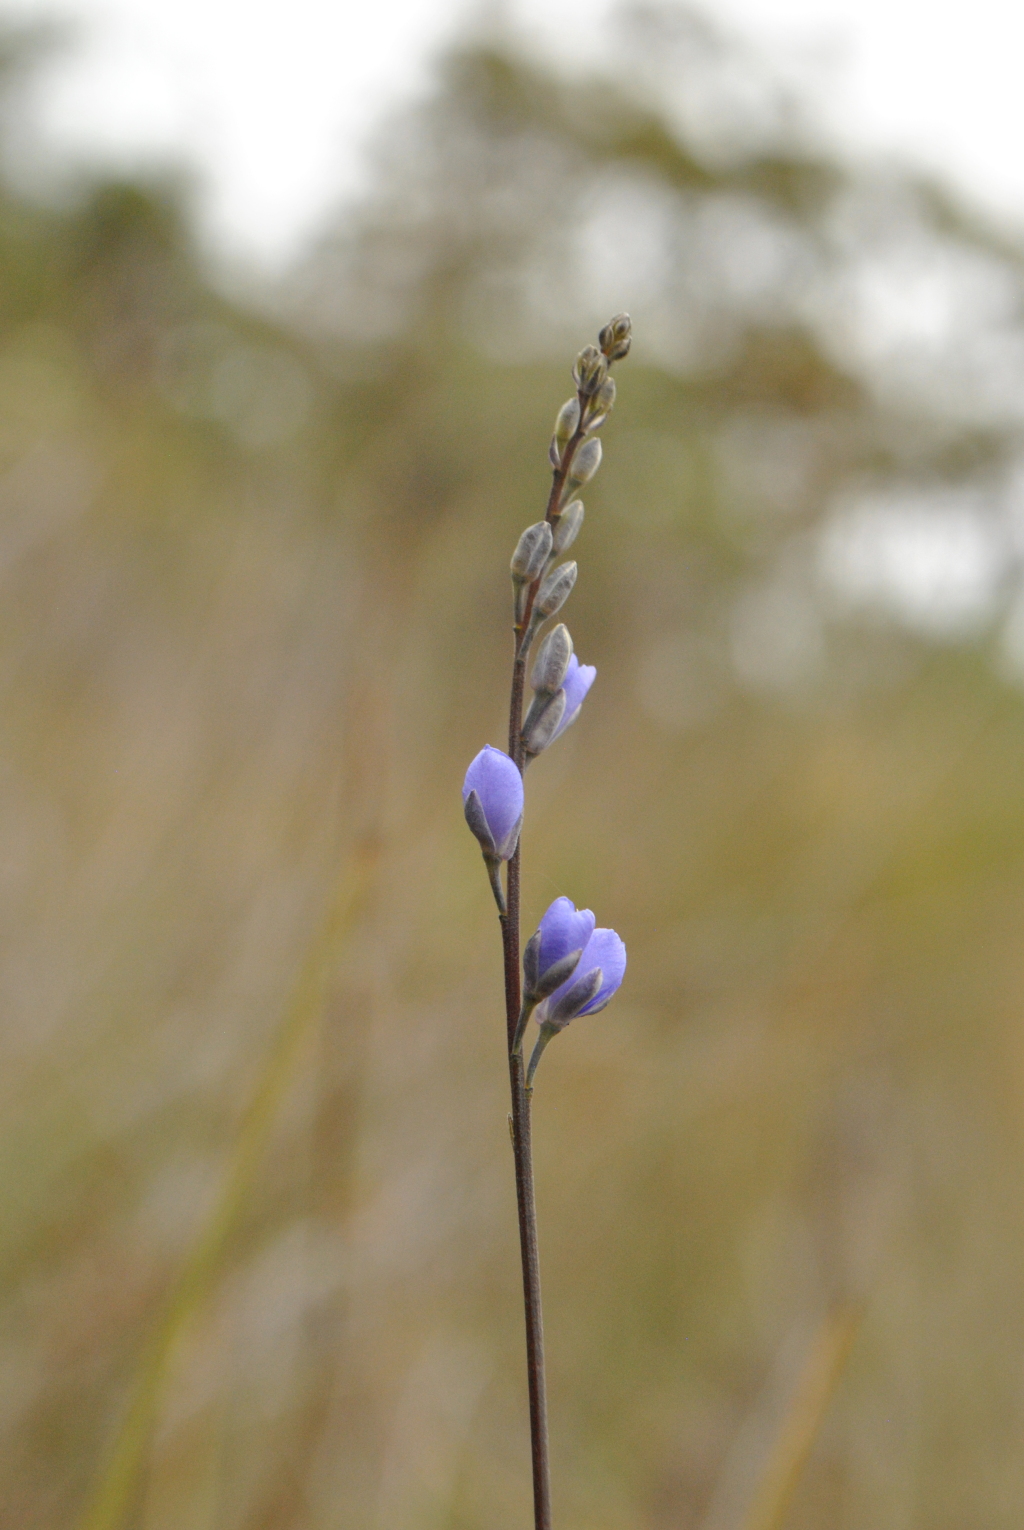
x=552, y=661
x=532, y=552
x=528, y=562
x=616, y=337
x=568, y=419
x=602, y=404
x=590, y=371
x=542, y=721
x=585, y=463
x=555, y=590
x=566, y=528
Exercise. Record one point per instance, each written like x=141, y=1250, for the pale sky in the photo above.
x=270, y=101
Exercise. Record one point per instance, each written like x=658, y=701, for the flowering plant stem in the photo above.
x=521, y=1096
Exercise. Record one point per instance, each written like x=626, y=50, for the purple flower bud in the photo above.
x=492, y=795
x=596, y=979
x=578, y=680
x=563, y=933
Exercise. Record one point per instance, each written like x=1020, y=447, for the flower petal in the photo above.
x=578, y=680
x=495, y=778
x=604, y=951
x=564, y=928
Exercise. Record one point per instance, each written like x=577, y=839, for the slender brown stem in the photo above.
x=523, y=1153
x=523, y=1150
x=522, y=1145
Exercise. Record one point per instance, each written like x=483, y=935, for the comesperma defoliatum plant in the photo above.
x=570, y=968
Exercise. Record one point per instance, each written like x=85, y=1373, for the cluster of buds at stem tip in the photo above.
x=594, y=400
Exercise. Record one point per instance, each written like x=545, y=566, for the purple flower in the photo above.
x=578, y=680
x=553, y=951
x=596, y=979
x=492, y=795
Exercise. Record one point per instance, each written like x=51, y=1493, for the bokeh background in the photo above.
x=258, y=1242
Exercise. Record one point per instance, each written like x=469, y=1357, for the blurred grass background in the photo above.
x=259, y=1259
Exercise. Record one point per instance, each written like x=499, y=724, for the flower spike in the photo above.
x=569, y=968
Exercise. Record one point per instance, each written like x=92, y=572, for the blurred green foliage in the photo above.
x=254, y=626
